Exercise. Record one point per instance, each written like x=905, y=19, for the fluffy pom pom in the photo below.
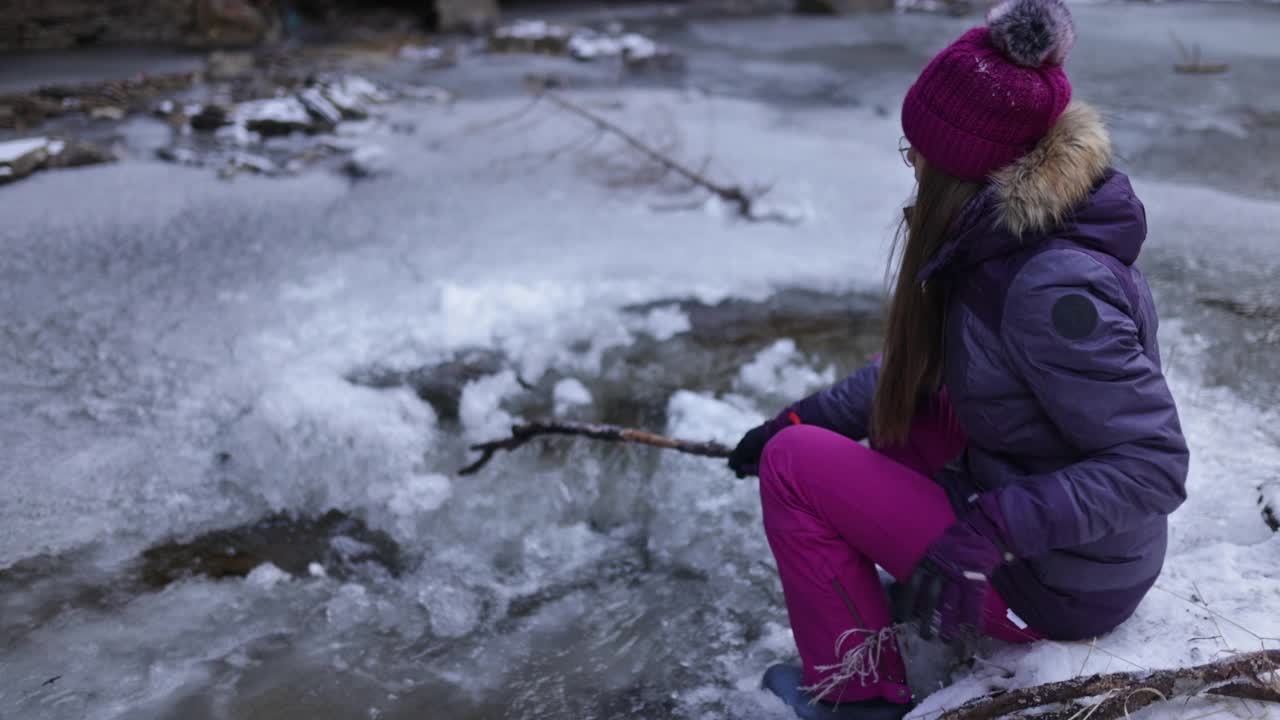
x=1032, y=33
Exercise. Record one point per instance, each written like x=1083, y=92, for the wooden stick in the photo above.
x=1118, y=694
x=523, y=433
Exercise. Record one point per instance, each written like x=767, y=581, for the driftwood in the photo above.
x=743, y=200
x=523, y=433
x=1249, y=676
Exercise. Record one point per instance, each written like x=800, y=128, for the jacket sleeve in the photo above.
x=844, y=408
x=1075, y=345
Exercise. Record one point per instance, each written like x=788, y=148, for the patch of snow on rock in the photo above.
x=779, y=370
x=266, y=575
x=480, y=407
x=570, y=393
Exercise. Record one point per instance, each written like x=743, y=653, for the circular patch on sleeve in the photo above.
x=1074, y=316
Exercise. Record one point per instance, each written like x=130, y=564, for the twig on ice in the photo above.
x=1191, y=64
x=1249, y=676
x=523, y=433
x=741, y=199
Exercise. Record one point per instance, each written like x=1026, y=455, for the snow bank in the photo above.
x=664, y=323
x=568, y=394
x=419, y=494
x=13, y=150
x=696, y=416
x=481, y=411
x=780, y=371
x=283, y=110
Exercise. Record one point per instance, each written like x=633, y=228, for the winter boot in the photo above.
x=784, y=681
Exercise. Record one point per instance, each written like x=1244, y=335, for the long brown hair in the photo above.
x=912, y=362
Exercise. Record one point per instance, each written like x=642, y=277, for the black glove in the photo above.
x=948, y=588
x=745, y=458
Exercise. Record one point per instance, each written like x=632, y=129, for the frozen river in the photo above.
x=183, y=354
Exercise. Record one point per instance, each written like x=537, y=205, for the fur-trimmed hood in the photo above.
x=1036, y=193
x=1064, y=187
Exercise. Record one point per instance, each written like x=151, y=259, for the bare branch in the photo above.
x=743, y=200
x=523, y=433
x=501, y=120
x=1116, y=695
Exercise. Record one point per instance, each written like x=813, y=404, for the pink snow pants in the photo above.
x=833, y=510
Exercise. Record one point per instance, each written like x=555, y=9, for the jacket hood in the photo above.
x=1065, y=187
x=1037, y=192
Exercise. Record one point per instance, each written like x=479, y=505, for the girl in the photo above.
x=1026, y=450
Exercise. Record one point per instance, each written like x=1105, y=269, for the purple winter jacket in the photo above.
x=1052, y=368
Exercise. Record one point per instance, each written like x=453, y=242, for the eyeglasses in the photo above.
x=904, y=149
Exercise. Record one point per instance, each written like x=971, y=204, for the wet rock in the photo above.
x=466, y=15
x=523, y=606
x=816, y=317
x=704, y=353
x=336, y=542
x=75, y=153
x=531, y=36
x=171, y=112
x=252, y=163
x=278, y=135
x=420, y=53
x=20, y=158
x=107, y=112
x=180, y=156
x=583, y=44
x=1269, y=503
x=428, y=93
x=590, y=45
x=351, y=95
x=367, y=161
x=237, y=135
x=843, y=330
x=441, y=384
x=318, y=108
x=636, y=51
x=210, y=117
x=429, y=56
x=274, y=116
x=322, y=111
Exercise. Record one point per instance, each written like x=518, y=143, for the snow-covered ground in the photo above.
x=180, y=352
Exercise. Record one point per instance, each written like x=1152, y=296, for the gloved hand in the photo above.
x=947, y=592
x=745, y=458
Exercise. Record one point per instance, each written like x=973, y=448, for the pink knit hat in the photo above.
x=988, y=98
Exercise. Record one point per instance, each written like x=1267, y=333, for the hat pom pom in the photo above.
x=1032, y=33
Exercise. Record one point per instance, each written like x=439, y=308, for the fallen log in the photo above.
x=1249, y=676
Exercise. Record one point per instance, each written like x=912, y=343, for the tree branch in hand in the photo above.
x=523, y=433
